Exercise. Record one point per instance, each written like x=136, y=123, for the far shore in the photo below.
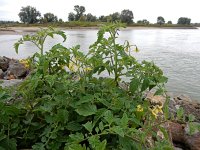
x=25, y=30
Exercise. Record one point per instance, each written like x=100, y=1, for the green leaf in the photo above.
x=124, y=121
x=77, y=137
x=9, y=144
x=74, y=147
x=180, y=113
x=108, y=116
x=101, y=145
x=62, y=116
x=134, y=84
x=86, y=109
x=118, y=130
x=73, y=126
x=88, y=126
x=38, y=146
x=160, y=91
x=191, y=118
x=145, y=84
x=101, y=126
x=85, y=99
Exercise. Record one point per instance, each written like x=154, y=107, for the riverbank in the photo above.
x=21, y=30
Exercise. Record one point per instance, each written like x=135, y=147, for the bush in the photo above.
x=78, y=109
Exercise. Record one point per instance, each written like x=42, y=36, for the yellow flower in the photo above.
x=87, y=69
x=139, y=108
x=24, y=62
x=72, y=67
x=156, y=110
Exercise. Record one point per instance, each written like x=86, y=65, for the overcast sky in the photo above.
x=142, y=9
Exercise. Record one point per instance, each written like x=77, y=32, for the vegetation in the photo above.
x=126, y=16
x=160, y=20
x=184, y=21
x=49, y=17
x=65, y=103
x=29, y=15
x=144, y=22
x=169, y=22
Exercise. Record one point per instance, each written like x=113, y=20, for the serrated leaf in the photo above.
x=77, y=137
x=108, y=116
x=86, y=109
x=75, y=147
x=101, y=145
x=134, y=84
x=145, y=84
x=88, y=126
x=73, y=126
x=118, y=130
x=101, y=126
x=124, y=121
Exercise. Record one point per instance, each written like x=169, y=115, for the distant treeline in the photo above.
x=30, y=15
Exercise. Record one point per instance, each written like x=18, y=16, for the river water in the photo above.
x=176, y=51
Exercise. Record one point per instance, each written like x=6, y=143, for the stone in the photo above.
x=9, y=83
x=1, y=74
x=156, y=99
x=184, y=97
x=193, y=141
x=16, y=69
x=4, y=63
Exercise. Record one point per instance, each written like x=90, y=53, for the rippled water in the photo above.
x=176, y=51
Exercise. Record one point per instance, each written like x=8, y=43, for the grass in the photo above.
x=74, y=24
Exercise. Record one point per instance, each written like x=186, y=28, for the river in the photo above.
x=176, y=51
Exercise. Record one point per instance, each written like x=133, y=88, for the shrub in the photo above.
x=78, y=109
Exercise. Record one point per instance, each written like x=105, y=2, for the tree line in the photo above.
x=30, y=15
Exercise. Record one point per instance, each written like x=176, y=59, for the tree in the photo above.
x=169, y=22
x=90, y=17
x=71, y=16
x=49, y=17
x=126, y=16
x=115, y=16
x=144, y=21
x=79, y=11
x=29, y=15
x=60, y=20
x=184, y=21
x=160, y=20
x=103, y=18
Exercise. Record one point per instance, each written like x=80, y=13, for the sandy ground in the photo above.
x=25, y=30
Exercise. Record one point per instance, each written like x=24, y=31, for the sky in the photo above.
x=142, y=9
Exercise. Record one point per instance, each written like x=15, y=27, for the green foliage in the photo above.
x=127, y=16
x=184, y=21
x=160, y=20
x=49, y=17
x=79, y=11
x=65, y=103
x=29, y=15
x=39, y=38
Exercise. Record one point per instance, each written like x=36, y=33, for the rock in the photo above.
x=4, y=63
x=1, y=74
x=16, y=69
x=9, y=83
x=183, y=97
x=193, y=141
x=176, y=131
x=156, y=99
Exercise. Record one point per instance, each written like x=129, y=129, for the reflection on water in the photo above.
x=177, y=52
